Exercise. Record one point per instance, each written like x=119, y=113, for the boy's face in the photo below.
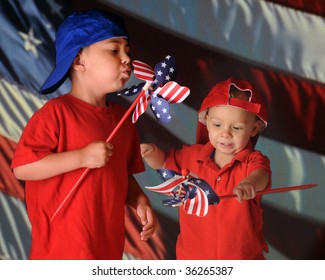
x=107, y=65
x=230, y=129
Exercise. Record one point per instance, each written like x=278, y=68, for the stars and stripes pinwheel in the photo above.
x=161, y=92
x=195, y=195
x=158, y=80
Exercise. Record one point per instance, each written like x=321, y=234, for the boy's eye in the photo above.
x=236, y=127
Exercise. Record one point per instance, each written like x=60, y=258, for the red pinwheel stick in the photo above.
x=86, y=171
x=285, y=189
x=128, y=112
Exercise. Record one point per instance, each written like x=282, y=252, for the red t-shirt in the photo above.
x=230, y=230
x=91, y=223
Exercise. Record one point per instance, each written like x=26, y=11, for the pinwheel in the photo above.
x=159, y=79
x=196, y=194
x=161, y=92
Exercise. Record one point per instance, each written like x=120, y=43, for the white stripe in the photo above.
x=199, y=203
x=176, y=180
x=191, y=206
x=178, y=92
x=16, y=106
x=143, y=74
x=167, y=89
x=260, y=31
x=14, y=215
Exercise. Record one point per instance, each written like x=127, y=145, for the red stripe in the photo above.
x=316, y=7
x=143, y=71
x=198, y=205
x=8, y=183
x=140, y=107
x=173, y=92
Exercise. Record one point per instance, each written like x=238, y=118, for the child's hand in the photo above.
x=147, y=149
x=96, y=154
x=148, y=220
x=244, y=191
x=152, y=155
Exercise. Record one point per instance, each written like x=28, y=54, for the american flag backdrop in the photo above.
x=276, y=44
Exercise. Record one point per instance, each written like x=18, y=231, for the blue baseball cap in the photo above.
x=79, y=30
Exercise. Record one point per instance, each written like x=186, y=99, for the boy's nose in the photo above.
x=126, y=59
x=225, y=132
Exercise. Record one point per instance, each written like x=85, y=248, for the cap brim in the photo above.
x=59, y=74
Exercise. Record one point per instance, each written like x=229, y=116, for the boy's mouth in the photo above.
x=127, y=73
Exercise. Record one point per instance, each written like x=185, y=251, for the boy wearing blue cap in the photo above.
x=68, y=135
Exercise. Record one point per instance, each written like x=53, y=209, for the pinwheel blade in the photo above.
x=160, y=108
x=168, y=186
x=174, y=202
x=131, y=90
x=173, y=92
x=166, y=174
x=198, y=205
x=165, y=71
x=143, y=71
x=213, y=198
x=141, y=106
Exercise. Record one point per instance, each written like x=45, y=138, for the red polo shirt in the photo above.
x=230, y=230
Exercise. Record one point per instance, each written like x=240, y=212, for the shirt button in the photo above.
x=218, y=178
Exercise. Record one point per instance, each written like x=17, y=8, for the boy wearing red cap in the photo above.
x=68, y=135
x=230, y=118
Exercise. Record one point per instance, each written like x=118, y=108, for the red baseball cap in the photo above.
x=220, y=95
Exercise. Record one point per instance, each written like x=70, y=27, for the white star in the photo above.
x=30, y=41
x=168, y=57
x=163, y=65
x=153, y=108
x=167, y=78
x=135, y=90
x=159, y=102
x=55, y=8
x=164, y=110
x=158, y=116
x=164, y=174
x=171, y=70
x=159, y=73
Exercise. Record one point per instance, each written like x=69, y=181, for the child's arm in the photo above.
x=94, y=155
x=139, y=201
x=153, y=156
x=247, y=188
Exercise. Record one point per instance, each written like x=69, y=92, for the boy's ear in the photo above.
x=78, y=63
x=257, y=128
